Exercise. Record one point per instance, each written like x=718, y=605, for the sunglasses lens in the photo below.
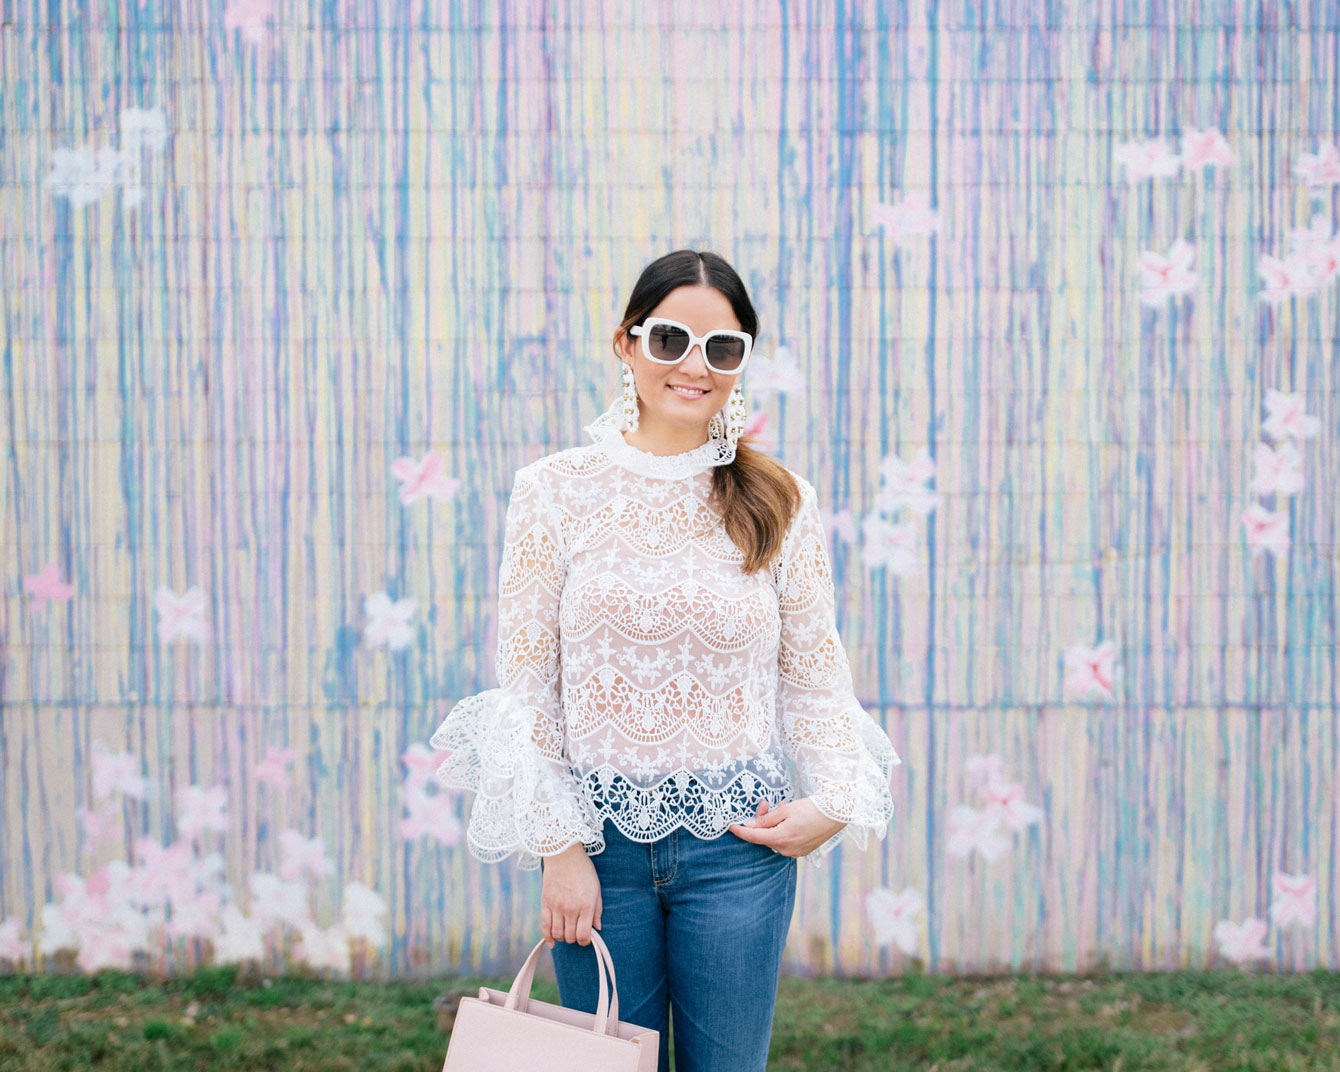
x=724, y=352
x=667, y=343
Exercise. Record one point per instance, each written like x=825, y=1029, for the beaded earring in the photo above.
x=629, y=399
x=731, y=426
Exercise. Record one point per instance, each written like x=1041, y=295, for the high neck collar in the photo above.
x=606, y=431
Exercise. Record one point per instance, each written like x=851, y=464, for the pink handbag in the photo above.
x=499, y=1032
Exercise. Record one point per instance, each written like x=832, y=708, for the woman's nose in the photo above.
x=695, y=361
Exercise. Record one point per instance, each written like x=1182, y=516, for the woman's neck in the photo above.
x=664, y=440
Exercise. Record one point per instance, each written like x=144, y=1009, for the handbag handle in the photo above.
x=607, y=1007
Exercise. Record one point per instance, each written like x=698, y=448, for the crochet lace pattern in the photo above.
x=644, y=678
x=606, y=431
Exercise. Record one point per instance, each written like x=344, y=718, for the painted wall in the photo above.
x=1049, y=300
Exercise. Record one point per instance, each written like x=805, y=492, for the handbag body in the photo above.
x=500, y=1031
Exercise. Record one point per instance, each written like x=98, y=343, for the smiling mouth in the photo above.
x=687, y=392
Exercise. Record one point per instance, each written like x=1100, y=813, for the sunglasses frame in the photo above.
x=644, y=330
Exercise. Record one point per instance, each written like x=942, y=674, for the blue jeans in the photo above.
x=695, y=926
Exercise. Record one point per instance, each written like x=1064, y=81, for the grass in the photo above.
x=1214, y=1021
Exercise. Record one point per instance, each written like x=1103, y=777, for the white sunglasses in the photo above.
x=668, y=342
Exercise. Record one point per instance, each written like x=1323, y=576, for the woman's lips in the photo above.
x=690, y=396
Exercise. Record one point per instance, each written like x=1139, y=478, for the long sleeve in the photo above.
x=506, y=744
x=843, y=758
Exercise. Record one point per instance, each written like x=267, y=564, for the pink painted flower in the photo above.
x=1318, y=248
x=1007, y=801
x=1147, y=159
x=117, y=772
x=1295, y=899
x=45, y=585
x=972, y=831
x=1267, y=530
x=328, y=949
x=181, y=615
x=200, y=809
x=12, y=945
x=424, y=479
x=425, y=815
x=892, y=546
x=364, y=908
x=420, y=761
x=1242, y=942
x=249, y=16
x=904, y=484
x=303, y=855
x=984, y=770
x=102, y=948
x=388, y=622
x=912, y=215
x=1164, y=277
x=1321, y=168
x=841, y=525
x=1287, y=418
x=893, y=916
x=1284, y=279
x=96, y=824
x=273, y=769
x=273, y=899
x=162, y=873
x=96, y=918
x=1322, y=261
x=1278, y=472
x=756, y=426
x=1091, y=671
x=1201, y=147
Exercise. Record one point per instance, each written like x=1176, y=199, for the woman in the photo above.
x=666, y=644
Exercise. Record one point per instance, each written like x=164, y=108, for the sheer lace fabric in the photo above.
x=642, y=676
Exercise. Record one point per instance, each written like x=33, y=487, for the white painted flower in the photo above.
x=388, y=622
x=273, y=898
x=972, y=831
x=364, y=908
x=200, y=809
x=893, y=917
x=143, y=127
x=889, y=545
x=328, y=949
x=778, y=374
x=1295, y=899
x=1242, y=942
x=181, y=615
x=239, y=938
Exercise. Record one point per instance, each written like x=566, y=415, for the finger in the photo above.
x=569, y=927
x=584, y=928
x=762, y=808
x=744, y=833
x=545, y=929
x=600, y=908
x=772, y=818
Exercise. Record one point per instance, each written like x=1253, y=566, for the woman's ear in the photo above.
x=622, y=346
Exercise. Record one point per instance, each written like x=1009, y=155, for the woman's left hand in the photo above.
x=795, y=828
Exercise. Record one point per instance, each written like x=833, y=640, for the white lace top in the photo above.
x=644, y=677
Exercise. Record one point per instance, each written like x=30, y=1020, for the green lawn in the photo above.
x=1206, y=1021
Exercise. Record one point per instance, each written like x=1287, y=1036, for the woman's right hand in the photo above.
x=570, y=897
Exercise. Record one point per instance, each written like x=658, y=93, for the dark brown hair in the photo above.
x=756, y=496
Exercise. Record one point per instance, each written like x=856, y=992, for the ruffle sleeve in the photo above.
x=507, y=744
x=843, y=758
